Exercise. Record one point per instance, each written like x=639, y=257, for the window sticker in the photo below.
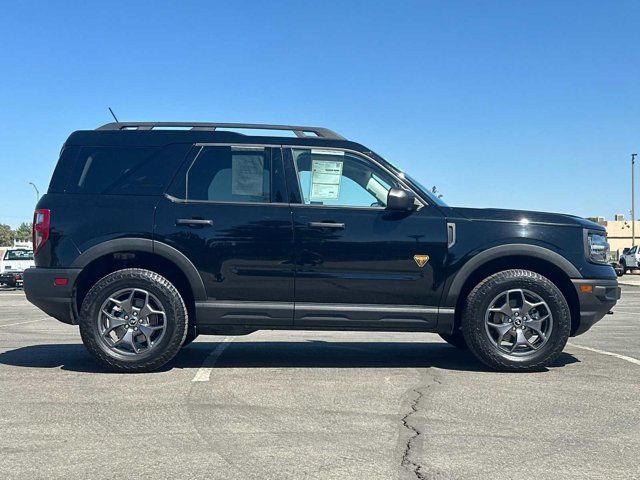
x=325, y=180
x=247, y=172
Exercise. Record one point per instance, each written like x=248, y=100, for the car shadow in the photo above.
x=276, y=354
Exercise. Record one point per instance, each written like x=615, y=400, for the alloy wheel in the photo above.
x=132, y=321
x=518, y=322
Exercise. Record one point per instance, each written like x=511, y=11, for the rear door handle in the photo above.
x=339, y=226
x=193, y=221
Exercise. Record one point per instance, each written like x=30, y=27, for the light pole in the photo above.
x=633, y=201
x=37, y=191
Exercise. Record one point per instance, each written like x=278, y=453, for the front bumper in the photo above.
x=54, y=300
x=11, y=278
x=6, y=277
x=597, y=298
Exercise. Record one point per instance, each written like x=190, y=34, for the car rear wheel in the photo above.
x=516, y=320
x=133, y=320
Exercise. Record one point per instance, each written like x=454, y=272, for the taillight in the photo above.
x=41, y=223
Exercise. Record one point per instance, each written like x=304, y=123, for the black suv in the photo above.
x=153, y=233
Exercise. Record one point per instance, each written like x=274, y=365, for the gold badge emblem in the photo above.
x=421, y=260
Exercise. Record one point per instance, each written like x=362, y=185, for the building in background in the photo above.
x=619, y=233
x=23, y=244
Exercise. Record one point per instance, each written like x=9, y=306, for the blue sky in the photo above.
x=531, y=105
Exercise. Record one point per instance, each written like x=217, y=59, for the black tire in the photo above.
x=455, y=339
x=623, y=267
x=176, y=320
x=478, y=303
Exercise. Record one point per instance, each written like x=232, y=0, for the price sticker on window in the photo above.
x=325, y=180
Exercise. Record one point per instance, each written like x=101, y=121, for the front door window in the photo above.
x=338, y=178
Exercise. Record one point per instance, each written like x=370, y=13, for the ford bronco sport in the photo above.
x=153, y=233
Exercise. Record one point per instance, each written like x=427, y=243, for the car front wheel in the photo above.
x=133, y=320
x=516, y=320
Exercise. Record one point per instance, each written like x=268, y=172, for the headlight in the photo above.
x=598, y=247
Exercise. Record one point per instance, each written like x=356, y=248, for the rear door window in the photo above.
x=239, y=174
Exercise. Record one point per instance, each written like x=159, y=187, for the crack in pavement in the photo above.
x=413, y=445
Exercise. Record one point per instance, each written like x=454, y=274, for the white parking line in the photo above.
x=20, y=323
x=204, y=373
x=604, y=352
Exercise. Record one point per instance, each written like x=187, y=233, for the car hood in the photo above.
x=524, y=216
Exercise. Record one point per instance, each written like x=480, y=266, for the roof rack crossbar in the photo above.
x=302, y=132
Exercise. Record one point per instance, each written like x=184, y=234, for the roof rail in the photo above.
x=303, y=132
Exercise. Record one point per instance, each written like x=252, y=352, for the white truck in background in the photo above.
x=629, y=259
x=13, y=262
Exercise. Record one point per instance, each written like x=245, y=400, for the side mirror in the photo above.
x=400, y=199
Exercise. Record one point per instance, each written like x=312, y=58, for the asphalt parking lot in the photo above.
x=317, y=405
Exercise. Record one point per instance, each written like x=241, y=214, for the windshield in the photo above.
x=425, y=190
x=19, y=255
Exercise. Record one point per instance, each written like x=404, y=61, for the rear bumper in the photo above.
x=596, y=303
x=54, y=300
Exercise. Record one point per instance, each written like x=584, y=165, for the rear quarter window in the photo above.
x=64, y=166
x=119, y=170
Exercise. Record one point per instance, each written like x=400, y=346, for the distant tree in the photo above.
x=435, y=191
x=23, y=232
x=593, y=219
x=6, y=235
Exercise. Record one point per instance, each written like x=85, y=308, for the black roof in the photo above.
x=301, y=132
x=164, y=133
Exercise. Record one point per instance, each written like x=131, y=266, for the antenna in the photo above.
x=113, y=115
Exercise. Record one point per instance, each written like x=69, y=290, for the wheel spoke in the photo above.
x=501, y=337
x=114, y=322
x=147, y=310
x=148, y=331
x=531, y=345
x=505, y=309
x=502, y=328
x=126, y=339
x=536, y=326
x=125, y=305
x=520, y=340
x=528, y=306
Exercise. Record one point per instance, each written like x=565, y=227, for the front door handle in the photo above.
x=193, y=221
x=338, y=226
